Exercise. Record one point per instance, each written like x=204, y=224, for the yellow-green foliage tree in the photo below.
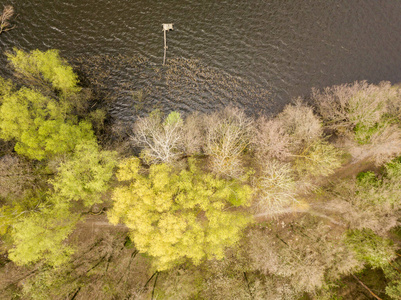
x=39, y=118
x=44, y=69
x=6, y=86
x=41, y=226
x=41, y=236
x=86, y=174
x=175, y=216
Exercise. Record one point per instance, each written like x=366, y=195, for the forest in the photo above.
x=305, y=204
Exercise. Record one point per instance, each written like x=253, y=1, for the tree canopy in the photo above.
x=39, y=115
x=41, y=236
x=176, y=215
x=41, y=122
x=44, y=68
x=86, y=174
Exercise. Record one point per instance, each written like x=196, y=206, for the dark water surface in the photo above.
x=256, y=54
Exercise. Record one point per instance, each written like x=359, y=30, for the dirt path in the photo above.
x=99, y=221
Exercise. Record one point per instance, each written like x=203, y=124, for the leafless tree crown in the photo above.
x=228, y=134
x=162, y=140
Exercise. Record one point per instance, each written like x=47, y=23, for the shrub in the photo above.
x=385, y=144
x=370, y=248
x=16, y=176
x=371, y=201
x=180, y=284
x=318, y=159
x=392, y=273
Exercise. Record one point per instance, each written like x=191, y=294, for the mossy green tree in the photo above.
x=174, y=216
x=393, y=277
x=370, y=248
x=371, y=201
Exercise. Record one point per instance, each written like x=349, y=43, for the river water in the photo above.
x=256, y=54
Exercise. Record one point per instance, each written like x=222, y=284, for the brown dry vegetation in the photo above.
x=107, y=266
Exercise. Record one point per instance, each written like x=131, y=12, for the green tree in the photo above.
x=38, y=125
x=393, y=277
x=41, y=236
x=86, y=174
x=370, y=248
x=177, y=215
x=44, y=69
x=40, y=118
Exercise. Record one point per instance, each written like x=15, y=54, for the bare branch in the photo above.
x=6, y=15
x=162, y=142
x=228, y=134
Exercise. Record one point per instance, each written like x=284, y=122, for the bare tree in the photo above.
x=301, y=124
x=307, y=253
x=228, y=134
x=365, y=116
x=343, y=107
x=372, y=203
x=275, y=188
x=193, y=133
x=270, y=140
x=161, y=140
x=6, y=15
